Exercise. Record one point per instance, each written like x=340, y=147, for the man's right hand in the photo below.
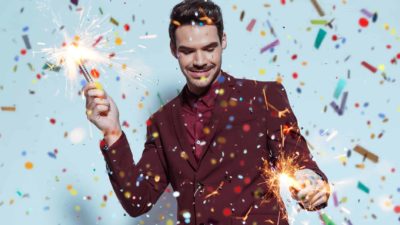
x=102, y=112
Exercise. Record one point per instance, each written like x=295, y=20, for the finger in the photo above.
x=87, y=87
x=317, y=197
x=101, y=101
x=96, y=93
x=100, y=109
x=318, y=202
x=304, y=192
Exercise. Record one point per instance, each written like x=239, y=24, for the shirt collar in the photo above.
x=207, y=98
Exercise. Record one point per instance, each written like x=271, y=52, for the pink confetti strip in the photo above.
x=251, y=25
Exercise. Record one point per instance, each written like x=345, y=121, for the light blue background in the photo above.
x=27, y=134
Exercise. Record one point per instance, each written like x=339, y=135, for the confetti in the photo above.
x=367, y=154
x=320, y=37
x=318, y=8
x=250, y=26
x=270, y=46
x=362, y=187
x=369, y=66
x=8, y=108
x=114, y=21
x=26, y=41
x=340, y=110
x=339, y=88
x=319, y=22
x=28, y=165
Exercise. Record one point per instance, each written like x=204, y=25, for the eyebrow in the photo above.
x=211, y=45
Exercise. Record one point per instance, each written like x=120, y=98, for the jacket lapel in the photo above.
x=214, y=125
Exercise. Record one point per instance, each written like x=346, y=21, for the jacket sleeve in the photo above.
x=283, y=133
x=137, y=186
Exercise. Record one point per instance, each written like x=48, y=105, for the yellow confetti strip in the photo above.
x=28, y=165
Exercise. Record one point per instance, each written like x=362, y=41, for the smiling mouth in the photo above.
x=199, y=73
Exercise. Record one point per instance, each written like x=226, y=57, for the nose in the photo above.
x=199, y=59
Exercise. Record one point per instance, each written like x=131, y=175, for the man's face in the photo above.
x=199, y=52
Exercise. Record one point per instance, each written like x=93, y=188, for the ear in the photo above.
x=173, y=49
x=224, y=41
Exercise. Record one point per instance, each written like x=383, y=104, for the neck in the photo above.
x=203, y=91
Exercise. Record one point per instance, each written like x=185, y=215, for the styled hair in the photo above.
x=195, y=12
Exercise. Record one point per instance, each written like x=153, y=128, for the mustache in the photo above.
x=204, y=68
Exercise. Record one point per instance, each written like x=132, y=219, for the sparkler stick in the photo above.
x=85, y=73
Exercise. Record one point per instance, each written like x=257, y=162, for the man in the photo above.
x=212, y=141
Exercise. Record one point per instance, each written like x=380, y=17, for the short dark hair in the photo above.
x=199, y=12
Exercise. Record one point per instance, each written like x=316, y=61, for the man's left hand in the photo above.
x=311, y=192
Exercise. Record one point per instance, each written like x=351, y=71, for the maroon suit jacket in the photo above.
x=226, y=183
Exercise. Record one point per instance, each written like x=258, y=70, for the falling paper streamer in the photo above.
x=269, y=46
x=367, y=13
x=251, y=25
x=326, y=219
x=340, y=110
x=362, y=187
x=339, y=88
x=369, y=66
x=26, y=41
x=367, y=154
x=320, y=37
x=8, y=108
x=319, y=22
x=318, y=7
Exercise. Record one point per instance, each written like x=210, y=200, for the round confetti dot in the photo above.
x=398, y=56
x=23, y=51
x=28, y=165
x=155, y=134
x=247, y=180
x=53, y=121
x=118, y=41
x=237, y=189
x=77, y=135
x=140, y=105
x=363, y=22
x=295, y=75
x=246, y=127
x=294, y=57
x=227, y=212
x=126, y=27
x=127, y=194
x=263, y=33
x=356, y=105
x=95, y=73
x=334, y=37
x=77, y=208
